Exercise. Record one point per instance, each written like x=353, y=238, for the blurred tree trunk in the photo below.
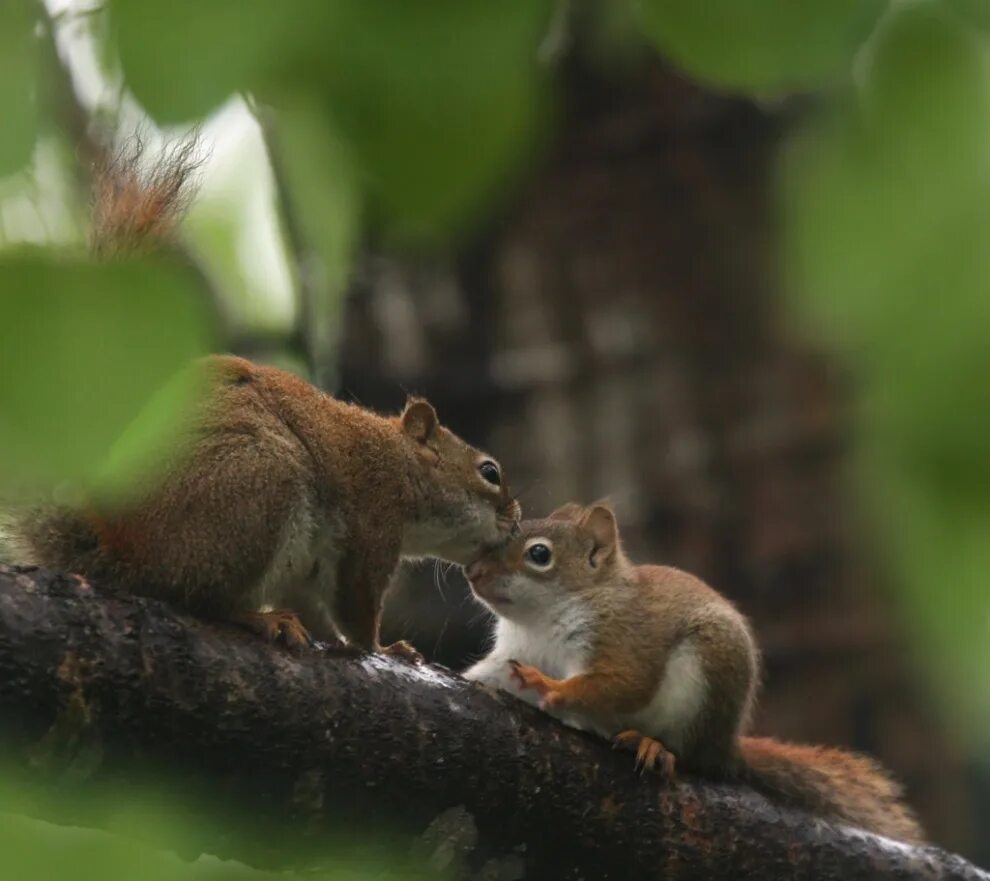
x=618, y=332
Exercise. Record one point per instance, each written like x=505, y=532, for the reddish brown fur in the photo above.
x=638, y=617
x=850, y=787
x=271, y=461
x=139, y=206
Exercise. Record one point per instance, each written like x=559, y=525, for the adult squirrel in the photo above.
x=282, y=496
x=660, y=662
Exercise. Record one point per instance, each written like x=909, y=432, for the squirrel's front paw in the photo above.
x=529, y=677
x=405, y=651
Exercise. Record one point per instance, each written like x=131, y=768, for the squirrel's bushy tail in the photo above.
x=139, y=198
x=831, y=783
x=8, y=550
x=138, y=201
x=50, y=536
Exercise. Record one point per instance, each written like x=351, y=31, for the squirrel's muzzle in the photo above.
x=477, y=570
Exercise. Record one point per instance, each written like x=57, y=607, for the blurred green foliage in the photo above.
x=761, y=45
x=183, y=58
x=39, y=851
x=143, y=833
x=19, y=67
x=88, y=351
x=439, y=102
x=887, y=210
x=319, y=175
x=977, y=11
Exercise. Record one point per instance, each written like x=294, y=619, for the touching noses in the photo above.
x=477, y=570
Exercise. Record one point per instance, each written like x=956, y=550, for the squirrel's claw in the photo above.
x=651, y=754
x=529, y=677
x=404, y=650
x=279, y=626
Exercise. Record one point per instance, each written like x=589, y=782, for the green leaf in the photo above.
x=182, y=58
x=440, y=102
x=880, y=196
x=139, y=828
x=322, y=185
x=760, y=45
x=83, y=348
x=977, y=12
x=887, y=242
x=18, y=83
x=321, y=199
x=939, y=545
x=925, y=95
x=151, y=437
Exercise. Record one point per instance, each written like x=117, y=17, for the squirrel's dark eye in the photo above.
x=539, y=554
x=489, y=470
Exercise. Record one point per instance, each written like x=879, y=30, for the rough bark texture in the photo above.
x=96, y=689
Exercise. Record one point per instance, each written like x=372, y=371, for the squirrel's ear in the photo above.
x=571, y=511
x=599, y=522
x=419, y=419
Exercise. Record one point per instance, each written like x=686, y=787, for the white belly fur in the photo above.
x=550, y=651
x=677, y=701
x=307, y=540
x=668, y=716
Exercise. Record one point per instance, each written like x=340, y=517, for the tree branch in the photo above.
x=98, y=688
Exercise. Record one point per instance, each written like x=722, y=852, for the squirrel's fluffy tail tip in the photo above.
x=139, y=200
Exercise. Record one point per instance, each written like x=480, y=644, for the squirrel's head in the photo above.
x=462, y=501
x=549, y=563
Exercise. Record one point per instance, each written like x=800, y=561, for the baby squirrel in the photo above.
x=282, y=495
x=655, y=659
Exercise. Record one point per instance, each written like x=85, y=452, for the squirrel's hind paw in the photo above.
x=651, y=754
x=403, y=650
x=280, y=626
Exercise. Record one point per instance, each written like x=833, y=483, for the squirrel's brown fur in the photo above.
x=846, y=786
x=658, y=660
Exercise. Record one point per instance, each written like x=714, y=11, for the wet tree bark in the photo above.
x=289, y=752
